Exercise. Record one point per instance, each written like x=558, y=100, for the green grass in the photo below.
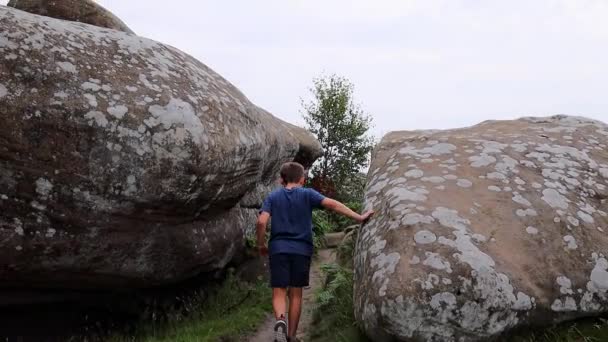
x=586, y=330
x=340, y=334
x=234, y=310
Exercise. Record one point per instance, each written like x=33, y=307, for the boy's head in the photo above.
x=291, y=173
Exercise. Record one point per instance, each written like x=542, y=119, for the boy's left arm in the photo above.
x=261, y=233
x=342, y=209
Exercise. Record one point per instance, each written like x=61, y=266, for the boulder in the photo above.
x=309, y=149
x=483, y=230
x=84, y=11
x=254, y=270
x=124, y=163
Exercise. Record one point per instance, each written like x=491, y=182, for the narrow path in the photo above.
x=265, y=332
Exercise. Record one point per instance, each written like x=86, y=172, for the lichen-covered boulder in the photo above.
x=124, y=162
x=85, y=11
x=484, y=229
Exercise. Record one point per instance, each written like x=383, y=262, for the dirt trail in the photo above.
x=265, y=332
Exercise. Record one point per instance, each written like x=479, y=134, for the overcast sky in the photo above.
x=415, y=63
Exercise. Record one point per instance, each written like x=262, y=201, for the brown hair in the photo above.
x=292, y=172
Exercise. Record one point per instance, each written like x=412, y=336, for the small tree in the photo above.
x=342, y=129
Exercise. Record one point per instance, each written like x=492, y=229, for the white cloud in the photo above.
x=365, y=11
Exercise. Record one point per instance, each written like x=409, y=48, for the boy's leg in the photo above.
x=295, y=309
x=299, y=278
x=279, y=302
x=279, y=281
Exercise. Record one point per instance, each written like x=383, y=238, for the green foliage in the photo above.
x=234, y=310
x=333, y=315
x=341, y=127
x=346, y=249
x=336, y=296
x=353, y=189
x=321, y=225
x=251, y=242
x=333, y=311
x=586, y=330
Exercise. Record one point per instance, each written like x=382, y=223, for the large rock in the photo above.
x=124, y=162
x=85, y=11
x=484, y=229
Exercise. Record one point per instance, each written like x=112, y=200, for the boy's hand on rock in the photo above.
x=366, y=216
x=263, y=251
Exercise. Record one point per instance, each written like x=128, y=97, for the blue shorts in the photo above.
x=289, y=270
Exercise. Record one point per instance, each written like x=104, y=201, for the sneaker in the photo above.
x=280, y=331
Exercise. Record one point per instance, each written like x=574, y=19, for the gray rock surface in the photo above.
x=485, y=229
x=124, y=163
x=84, y=11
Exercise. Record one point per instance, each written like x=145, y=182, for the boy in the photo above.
x=291, y=243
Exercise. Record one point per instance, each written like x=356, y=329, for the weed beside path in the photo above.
x=233, y=311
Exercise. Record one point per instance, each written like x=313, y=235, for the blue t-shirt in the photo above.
x=291, y=226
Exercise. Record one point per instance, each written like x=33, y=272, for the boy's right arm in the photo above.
x=261, y=233
x=342, y=209
x=262, y=223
